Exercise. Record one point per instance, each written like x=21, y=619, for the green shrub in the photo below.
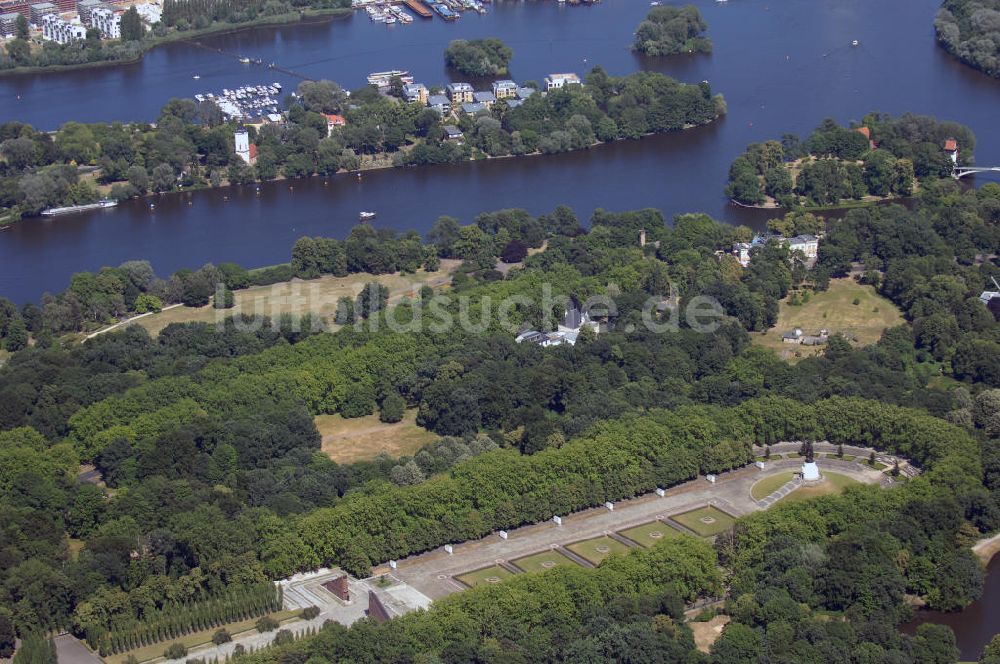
x=220, y=637
x=266, y=624
x=310, y=612
x=175, y=651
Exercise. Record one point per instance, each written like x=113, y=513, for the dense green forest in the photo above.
x=205, y=439
x=970, y=30
x=191, y=146
x=672, y=30
x=883, y=157
x=478, y=57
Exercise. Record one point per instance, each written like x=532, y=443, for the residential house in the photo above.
x=84, y=9
x=474, y=107
x=40, y=10
x=796, y=336
x=61, y=31
x=439, y=103
x=334, y=121
x=807, y=244
x=558, y=81
x=513, y=103
x=951, y=147
x=453, y=133
x=245, y=150
x=867, y=133
x=487, y=99
x=524, y=93
x=8, y=24
x=460, y=93
x=107, y=21
x=505, y=89
x=566, y=332
x=415, y=92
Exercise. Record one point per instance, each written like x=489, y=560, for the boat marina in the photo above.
x=246, y=102
x=392, y=11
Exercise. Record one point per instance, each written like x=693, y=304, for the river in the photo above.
x=976, y=624
x=781, y=66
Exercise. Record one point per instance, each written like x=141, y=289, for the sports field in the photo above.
x=486, y=575
x=539, y=562
x=649, y=534
x=707, y=521
x=597, y=549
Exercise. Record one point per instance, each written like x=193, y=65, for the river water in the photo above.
x=782, y=66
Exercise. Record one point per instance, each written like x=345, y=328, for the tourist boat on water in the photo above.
x=70, y=209
x=366, y=216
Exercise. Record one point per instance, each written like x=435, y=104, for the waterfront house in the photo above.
x=487, y=99
x=107, y=21
x=474, y=107
x=334, y=121
x=440, y=103
x=453, y=133
x=513, y=103
x=460, y=93
x=559, y=81
x=742, y=252
x=505, y=89
x=85, y=7
x=951, y=148
x=61, y=31
x=415, y=92
x=867, y=133
x=245, y=150
x=524, y=93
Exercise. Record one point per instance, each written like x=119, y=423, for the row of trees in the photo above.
x=672, y=30
x=198, y=14
x=883, y=157
x=112, y=632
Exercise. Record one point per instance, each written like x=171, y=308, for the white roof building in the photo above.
x=557, y=81
x=60, y=31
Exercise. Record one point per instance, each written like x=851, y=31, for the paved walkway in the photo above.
x=785, y=489
x=433, y=573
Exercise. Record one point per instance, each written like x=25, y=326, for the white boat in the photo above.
x=196, y=77
x=365, y=216
x=855, y=43
x=103, y=203
x=245, y=60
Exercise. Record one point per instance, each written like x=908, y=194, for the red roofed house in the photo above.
x=951, y=147
x=867, y=133
x=334, y=121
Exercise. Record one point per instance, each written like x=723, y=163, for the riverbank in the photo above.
x=305, y=16
x=986, y=548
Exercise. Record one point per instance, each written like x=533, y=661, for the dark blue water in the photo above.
x=782, y=67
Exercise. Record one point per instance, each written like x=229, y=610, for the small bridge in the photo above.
x=960, y=172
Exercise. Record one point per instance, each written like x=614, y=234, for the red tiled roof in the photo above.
x=865, y=131
x=336, y=120
x=951, y=145
x=253, y=152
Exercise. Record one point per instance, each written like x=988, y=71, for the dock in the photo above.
x=419, y=8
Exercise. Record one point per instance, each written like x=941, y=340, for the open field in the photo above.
x=832, y=310
x=361, y=438
x=707, y=521
x=539, y=562
x=833, y=484
x=298, y=297
x=195, y=639
x=649, y=534
x=597, y=549
x=769, y=485
x=492, y=574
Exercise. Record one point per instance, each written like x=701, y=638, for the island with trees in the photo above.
x=213, y=483
x=670, y=30
x=180, y=19
x=970, y=30
x=881, y=158
x=191, y=145
x=478, y=57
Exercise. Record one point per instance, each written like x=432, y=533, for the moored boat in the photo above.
x=70, y=209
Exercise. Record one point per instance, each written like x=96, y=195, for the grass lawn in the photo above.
x=765, y=487
x=359, y=438
x=298, y=297
x=195, y=639
x=539, y=562
x=834, y=483
x=833, y=310
x=706, y=521
x=648, y=534
x=833, y=455
x=487, y=575
x=597, y=549
x=878, y=465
